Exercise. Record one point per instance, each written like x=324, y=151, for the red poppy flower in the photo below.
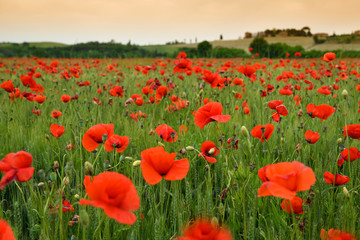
x=65, y=98
x=322, y=111
x=344, y=155
x=208, y=150
x=204, y=229
x=56, y=114
x=182, y=130
x=329, y=56
x=336, y=179
x=274, y=103
x=6, y=232
x=285, y=91
x=285, y=179
x=28, y=81
x=182, y=65
x=166, y=133
x=352, y=131
x=324, y=90
x=156, y=163
x=116, y=141
x=138, y=99
x=66, y=206
x=94, y=135
x=210, y=112
x=262, y=132
x=16, y=167
x=311, y=137
x=276, y=117
x=36, y=112
x=161, y=92
x=57, y=130
x=295, y=205
x=247, y=70
x=297, y=98
x=262, y=174
x=116, y=91
x=115, y=194
x=40, y=98
x=8, y=86
x=335, y=234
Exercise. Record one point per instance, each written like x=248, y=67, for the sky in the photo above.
x=146, y=22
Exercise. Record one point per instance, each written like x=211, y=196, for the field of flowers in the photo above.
x=180, y=148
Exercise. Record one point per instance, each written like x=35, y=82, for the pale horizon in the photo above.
x=146, y=22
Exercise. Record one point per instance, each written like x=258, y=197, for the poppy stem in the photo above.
x=22, y=193
x=97, y=156
x=100, y=223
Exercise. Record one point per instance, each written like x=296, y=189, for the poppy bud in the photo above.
x=345, y=93
x=151, y=132
x=41, y=174
x=56, y=165
x=136, y=163
x=201, y=92
x=81, y=123
x=89, y=169
x=339, y=140
x=346, y=192
x=110, y=102
x=182, y=151
x=212, y=151
x=184, y=95
x=84, y=218
x=66, y=181
x=300, y=113
x=70, y=147
x=214, y=221
x=53, y=176
x=282, y=139
x=40, y=184
x=244, y=131
x=190, y=148
x=160, y=144
x=129, y=158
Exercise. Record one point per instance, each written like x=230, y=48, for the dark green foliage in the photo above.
x=204, y=49
x=220, y=52
x=260, y=46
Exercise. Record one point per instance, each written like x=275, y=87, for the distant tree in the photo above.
x=204, y=49
x=221, y=37
x=260, y=46
x=307, y=31
x=248, y=35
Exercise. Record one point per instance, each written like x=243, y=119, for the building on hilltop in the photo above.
x=321, y=35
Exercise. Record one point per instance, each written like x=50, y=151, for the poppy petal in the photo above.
x=178, y=170
x=21, y=159
x=221, y=118
x=274, y=189
x=120, y=215
x=24, y=174
x=150, y=175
